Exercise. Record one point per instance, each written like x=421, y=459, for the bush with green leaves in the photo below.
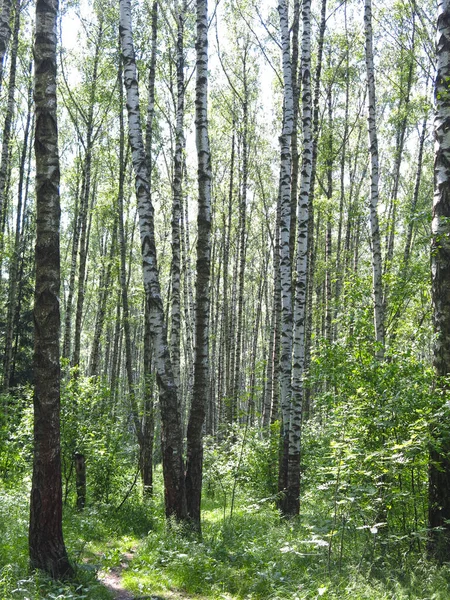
x=100, y=430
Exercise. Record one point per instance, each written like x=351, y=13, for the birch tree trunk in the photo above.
x=292, y=500
x=378, y=308
x=311, y=248
x=285, y=256
x=242, y=238
x=439, y=468
x=177, y=201
x=194, y=452
x=46, y=544
x=172, y=447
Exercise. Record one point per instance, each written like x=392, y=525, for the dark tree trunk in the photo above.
x=46, y=544
x=439, y=469
x=194, y=453
x=80, y=471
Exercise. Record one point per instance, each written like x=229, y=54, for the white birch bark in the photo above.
x=173, y=467
x=285, y=257
x=298, y=362
x=177, y=192
x=378, y=310
x=202, y=293
x=439, y=471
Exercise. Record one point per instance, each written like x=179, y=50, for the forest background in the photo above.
x=318, y=393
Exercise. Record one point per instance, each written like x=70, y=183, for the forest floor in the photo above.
x=113, y=582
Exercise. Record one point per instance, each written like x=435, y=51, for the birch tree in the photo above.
x=439, y=470
x=298, y=362
x=173, y=464
x=194, y=466
x=285, y=256
x=46, y=543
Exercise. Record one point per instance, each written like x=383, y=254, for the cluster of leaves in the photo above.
x=100, y=430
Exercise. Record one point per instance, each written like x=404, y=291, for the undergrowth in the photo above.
x=361, y=533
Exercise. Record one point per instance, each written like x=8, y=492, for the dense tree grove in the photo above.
x=215, y=271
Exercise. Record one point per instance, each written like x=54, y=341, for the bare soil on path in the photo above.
x=112, y=580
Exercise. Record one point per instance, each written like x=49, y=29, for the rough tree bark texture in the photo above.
x=439, y=471
x=194, y=453
x=378, y=310
x=177, y=201
x=292, y=502
x=46, y=544
x=173, y=466
x=285, y=255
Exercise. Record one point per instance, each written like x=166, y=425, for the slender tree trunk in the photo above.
x=294, y=140
x=378, y=308
x=67, y=345
x=242, y=241
x=439, y=467
x=200, y=396
x=46, y=544
x=148, y=414
x=14, y=267
x=177, y=201
x=415, y=198
x=311, y=249
x=86, y=196
x=5, y=165
x=5, y=33
x=172, y=447
x=329, y=241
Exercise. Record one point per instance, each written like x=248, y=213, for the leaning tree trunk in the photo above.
x=172, y=443
x=46, y=544
x=194, y=452
x=439, y=469
x=378, y=307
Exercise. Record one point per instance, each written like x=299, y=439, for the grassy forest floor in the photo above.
x=131, y=553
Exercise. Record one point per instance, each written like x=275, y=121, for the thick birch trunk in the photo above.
x=200, y=396
x=285, y=256
x=439, y=469
x=46, y=544
x=173, y=466
x=292, y=502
